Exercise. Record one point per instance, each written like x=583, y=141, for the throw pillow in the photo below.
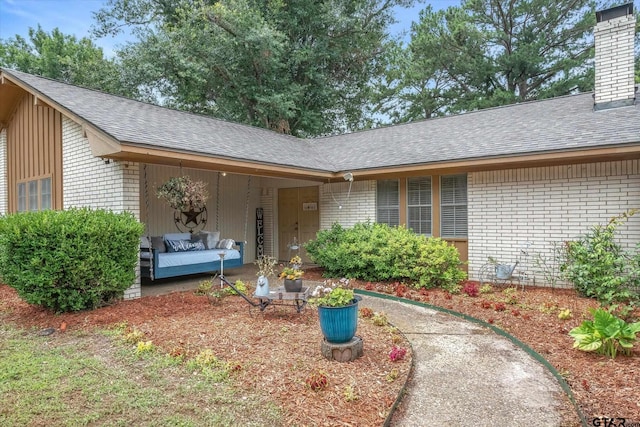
x=157, y=243
x=184, y=246
x=225, y=244
x=211, y=238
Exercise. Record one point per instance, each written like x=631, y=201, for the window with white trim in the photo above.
x=419, y=205
x=453, y=206
x=388, y=202
x=34, y=195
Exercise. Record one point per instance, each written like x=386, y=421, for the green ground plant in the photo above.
x=69, y=260
x=606, y=334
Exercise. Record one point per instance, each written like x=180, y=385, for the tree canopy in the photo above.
x=63, y=58
x=492, y=52
x=300, y=67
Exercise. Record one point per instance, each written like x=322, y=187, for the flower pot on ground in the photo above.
x=337, y=311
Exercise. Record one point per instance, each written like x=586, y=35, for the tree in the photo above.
x=300, y=67
x=61, y=57
x=494, y=52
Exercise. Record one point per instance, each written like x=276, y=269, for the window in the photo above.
x=388, y=202
x=34, y=195
x=453, y=206
x=22, y=197
x=419, y=205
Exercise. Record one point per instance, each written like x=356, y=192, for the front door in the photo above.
x=298, y=219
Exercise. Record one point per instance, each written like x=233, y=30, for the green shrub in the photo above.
x=599, y=268
x=69, y=260
x=377, y=252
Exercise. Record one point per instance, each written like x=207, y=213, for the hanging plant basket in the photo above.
x=183, y=194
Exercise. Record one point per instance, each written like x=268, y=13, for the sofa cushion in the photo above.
x=184, y=246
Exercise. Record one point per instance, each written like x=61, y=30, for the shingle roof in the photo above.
x=140, y=123
x=553, y=125
x=558, y=124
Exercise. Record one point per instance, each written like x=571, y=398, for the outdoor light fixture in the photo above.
x=348, y=177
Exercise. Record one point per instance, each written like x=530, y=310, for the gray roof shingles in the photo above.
x=547, y=126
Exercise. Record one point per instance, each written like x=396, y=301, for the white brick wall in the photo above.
x=545, y=205
x=359, y=206
x=4, y=194
x=90, y=182
x=614, y=59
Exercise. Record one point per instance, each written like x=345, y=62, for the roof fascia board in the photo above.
x=142, y=154
x=43, y=100
x=506, y=162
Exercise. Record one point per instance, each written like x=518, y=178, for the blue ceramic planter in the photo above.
x=339, y=324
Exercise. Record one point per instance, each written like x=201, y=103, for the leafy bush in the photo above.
x=69, y=260
x=605, y=334
x=598, y=267
x=377, y=252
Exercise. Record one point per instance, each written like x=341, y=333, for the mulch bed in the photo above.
x=279, y=349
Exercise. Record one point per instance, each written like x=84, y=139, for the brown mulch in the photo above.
x=277, y=350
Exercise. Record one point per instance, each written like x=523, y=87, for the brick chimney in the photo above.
x=614, y=34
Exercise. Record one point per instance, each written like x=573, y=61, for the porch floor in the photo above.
x=246, y=273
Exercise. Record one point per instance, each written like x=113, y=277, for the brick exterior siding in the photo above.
x=359, y=207
x=4, y=191
x=545, y=205
x=89, y=181
x=614, y=59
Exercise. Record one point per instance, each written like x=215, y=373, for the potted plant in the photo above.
x=265, y=265
x=184, y=194
x=292, y=275
x=337, y=310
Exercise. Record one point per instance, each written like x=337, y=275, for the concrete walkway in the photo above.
x=466, y=375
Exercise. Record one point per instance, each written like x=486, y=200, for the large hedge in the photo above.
x=69, y=260
x=377, y=252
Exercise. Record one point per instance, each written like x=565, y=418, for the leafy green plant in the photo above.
x=204, y=287
x=144, y=347
x=240, y=286
x=377, y=252
x=69, y=260
x=380, y=319
x=335, y=295
x=598, y=267
x=605, y=334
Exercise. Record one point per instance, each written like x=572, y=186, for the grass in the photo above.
x=76, y=379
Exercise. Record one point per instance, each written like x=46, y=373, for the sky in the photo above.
x=74, y=17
